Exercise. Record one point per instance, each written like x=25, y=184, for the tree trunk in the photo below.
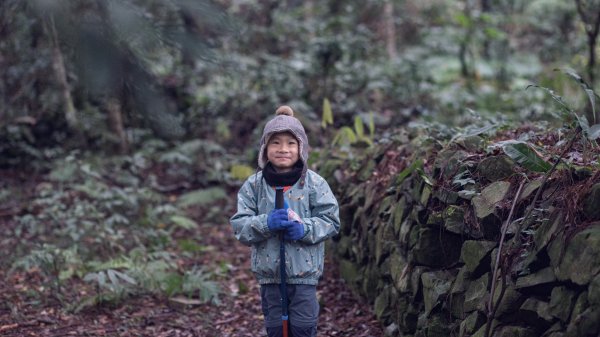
x=462, y=57
x=115, y=123
x=592, y=38
x=390, y=30
x=486, y=8
x=58, y=64
x=464, y=44
x=309, y=13
x=591, y=21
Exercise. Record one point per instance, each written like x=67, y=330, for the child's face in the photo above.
x=282, y=151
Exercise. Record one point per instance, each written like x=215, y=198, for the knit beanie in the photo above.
x=284, y=121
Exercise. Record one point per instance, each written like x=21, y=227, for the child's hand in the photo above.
x=276, y=218
x=294, y=230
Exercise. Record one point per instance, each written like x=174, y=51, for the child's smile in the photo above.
x=282, y=151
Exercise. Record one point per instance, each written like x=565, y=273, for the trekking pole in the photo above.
x=283, y=284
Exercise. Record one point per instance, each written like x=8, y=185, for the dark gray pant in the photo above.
x=303, y=309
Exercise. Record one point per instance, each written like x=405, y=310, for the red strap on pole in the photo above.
x=285, y=328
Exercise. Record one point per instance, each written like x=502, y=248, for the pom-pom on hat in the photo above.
x=284, y=121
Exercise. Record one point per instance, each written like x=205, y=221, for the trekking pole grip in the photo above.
x=279, y=197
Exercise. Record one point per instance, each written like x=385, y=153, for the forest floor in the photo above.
x=26, y=311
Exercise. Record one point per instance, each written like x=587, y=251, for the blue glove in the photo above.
x=276, y=219
x=294, y=230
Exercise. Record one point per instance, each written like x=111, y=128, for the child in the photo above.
x=310, y=216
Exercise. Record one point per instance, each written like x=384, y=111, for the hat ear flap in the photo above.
x=262, y=156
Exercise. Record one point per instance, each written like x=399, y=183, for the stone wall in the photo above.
x=420, y=236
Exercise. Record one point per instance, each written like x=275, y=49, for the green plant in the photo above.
x=197, y=282
x=112, y=280
x=55, y=264
x=143, y=272
x=525, y=154
x=568, y=114
x=201, y=197
x=346, y=136
x=240, y=172
x=327, y=116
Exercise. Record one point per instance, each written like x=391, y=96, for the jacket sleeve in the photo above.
x=324, y=221
x=249, y=227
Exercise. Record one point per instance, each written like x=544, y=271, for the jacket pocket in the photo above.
x=265, y=260
x=303, y=262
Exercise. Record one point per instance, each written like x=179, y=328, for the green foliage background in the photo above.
x=187, y=69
